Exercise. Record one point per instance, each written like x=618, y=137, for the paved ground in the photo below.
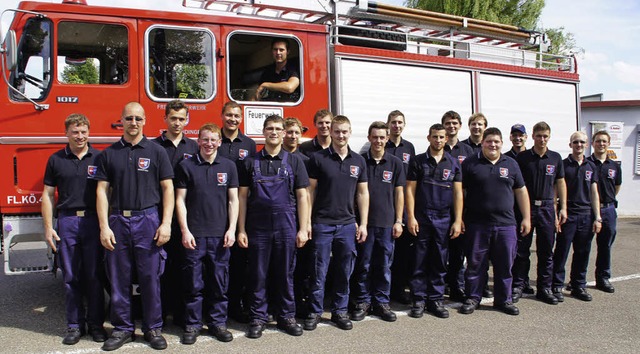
x=32, y=321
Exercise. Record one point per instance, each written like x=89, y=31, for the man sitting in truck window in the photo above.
x=280, y=81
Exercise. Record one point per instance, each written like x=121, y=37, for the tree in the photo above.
x=86, y=73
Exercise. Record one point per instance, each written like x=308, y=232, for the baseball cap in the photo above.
x=519, y=128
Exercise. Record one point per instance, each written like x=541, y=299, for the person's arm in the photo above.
x=303, y=214
x=410, y=201
x=398, y=203
x=313, y=184
x=168, y=202
x=48, y=202
x=230, y=235
x=188, y=241
x=362, y=197
x=522, y=198
x=595, y=207
x=287, y=87
x=561, y=193
x=107, y=238
x=243, y=240
x=456, y=227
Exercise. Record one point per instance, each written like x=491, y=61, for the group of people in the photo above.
x=213, y=228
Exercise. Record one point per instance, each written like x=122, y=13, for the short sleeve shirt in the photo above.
x=579, y=178
x=337, y=185
x=310, y=147
x=460, y=151
x=134, y=173
x=207, y=199
x=476, y=147
x=609, y=176
x=405, y=151
x=271, y=165
x=185, y=149
x=239, y=149
x=540, y=173
x=434, y=183
x=74, y=178
x=384, y=176
x=270, y=75
x=489, y=188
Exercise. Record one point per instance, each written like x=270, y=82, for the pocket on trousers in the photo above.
x=163, y=261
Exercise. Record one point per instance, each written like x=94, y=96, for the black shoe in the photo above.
x=457, y=295
x=98, y=334
x=384, y=312
x=73, y=336
x=417, y=309
x=401, y=297
x=528, y=289
x=469, y=306
x=516, y=294
x=605, y=285
x=311, y=322
x=546, y=295
x=557, y=292
x=221, y=333
x=155, y=339
x=117, y=340
x=487, y=292
x=342, y=321
x=255, y=329
x=290, y=326
x=239, y=316
x=361, y=310
x=190, y=335
x=437, y=309
x=508, y=308
x=581, y=294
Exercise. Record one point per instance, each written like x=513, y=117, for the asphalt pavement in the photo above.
x=32, y=321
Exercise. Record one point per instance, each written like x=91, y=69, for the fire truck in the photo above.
x=357, y=58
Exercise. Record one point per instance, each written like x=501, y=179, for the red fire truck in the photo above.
x=357, y=58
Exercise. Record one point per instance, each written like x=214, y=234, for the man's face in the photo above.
x=601, y=144
x=176, y=121
x=578, y=143
x=518, y=139
x=208, y=142
x=323, y=125
x=279, y=52
x=292, y=137
x=340, y=134
x=273, y=133
x=378, y=139
x=452, y=126
x=437, y=139
x=491, y=146
x=396, y=126
x=78, y=136
x=477, y=127
x=133, y=120
x=541, y=138
x=232, y=118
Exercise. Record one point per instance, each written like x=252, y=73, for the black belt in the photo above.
x=542, y=202
x=76, y=212
x=605, y=205
x=130, y=213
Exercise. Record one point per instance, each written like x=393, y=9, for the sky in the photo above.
x=609, y=35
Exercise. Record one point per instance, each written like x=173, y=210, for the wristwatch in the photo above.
x=399, y=222
x=599, y=220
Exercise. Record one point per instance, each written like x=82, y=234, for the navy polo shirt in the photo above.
x=434, y=183
x=404, y=151
x=384, y=177
x=336, y=188
x=540, y=173
x=310, y=147
x=489, y=188
x=476, y=147
x=609, y=176
x=270, y=75
x=207, y=200
x=134, y=173
x=512, y=153
x=460, y=151
x=271, y=165
x=185, y=149
x=240, y=148
x=74, y=178
x=304, y=158
x=579, y=179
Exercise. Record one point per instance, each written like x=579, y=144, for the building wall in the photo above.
x=627, y=112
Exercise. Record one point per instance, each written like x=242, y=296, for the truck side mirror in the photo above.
x=10, y=50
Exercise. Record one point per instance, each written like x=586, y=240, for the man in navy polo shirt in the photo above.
x=452, y=122
x=322, y=121
x=583, y=220
x=518, y=139
x=543, y=173
x=609, y=182
x=236, y=147
x=273, y=197
x=372, y=274
x=134, y=178
x=178, y=148
x=280, y=80
x=337, y=177
x=492, y=182
x=477, y=124
x=403, y=249
x=291, y=141
x=434, y=205
x=72, y=171
x=207, y=211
